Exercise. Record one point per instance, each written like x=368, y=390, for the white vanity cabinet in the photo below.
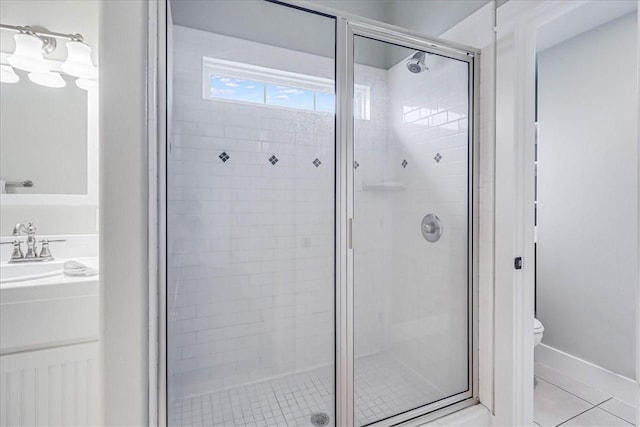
x=49, y=349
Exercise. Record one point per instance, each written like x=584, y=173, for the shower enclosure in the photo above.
x=319, y=219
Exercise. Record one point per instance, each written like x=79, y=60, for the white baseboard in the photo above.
x=597, y=377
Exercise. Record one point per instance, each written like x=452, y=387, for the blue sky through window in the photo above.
x=326, y=102
x=237, y=89
x=234, y=81
x=257, y=92
x=292, y=97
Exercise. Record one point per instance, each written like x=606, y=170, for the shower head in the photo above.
x=416, y=64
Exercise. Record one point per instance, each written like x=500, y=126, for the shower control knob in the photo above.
x=431, y=228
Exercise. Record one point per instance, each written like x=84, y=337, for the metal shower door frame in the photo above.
x=347, y=27
x=346, y=30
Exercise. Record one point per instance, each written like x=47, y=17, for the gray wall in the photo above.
x=123, y=222
x=587, y=225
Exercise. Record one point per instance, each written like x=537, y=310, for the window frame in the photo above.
x=213, y=67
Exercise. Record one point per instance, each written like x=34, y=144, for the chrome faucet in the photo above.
x=30, y=231
x=32, y=253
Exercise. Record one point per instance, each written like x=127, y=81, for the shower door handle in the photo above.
x=431, y=228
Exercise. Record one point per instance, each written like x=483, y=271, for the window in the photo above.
x=291, y=97
x=221, y=87
x=233, y=81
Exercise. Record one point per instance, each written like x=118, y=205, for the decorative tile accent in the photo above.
x=224, y=156
x=317, y=162
x=356, y=165
x=438, y=157
x=404, y=163
x=273, y=159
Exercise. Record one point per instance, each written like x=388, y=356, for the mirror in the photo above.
x=49, y=130
x=44, y=137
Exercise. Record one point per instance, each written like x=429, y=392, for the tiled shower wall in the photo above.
x=372, y=216
x=427, y=304
x=251, y=289
x=251, y=243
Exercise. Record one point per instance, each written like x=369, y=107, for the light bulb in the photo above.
x=79, y=62
x=8, y=75
x=86, y=84
x=48, y=79
x=28, y=54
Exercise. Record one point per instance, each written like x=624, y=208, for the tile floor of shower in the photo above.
x=383, y=387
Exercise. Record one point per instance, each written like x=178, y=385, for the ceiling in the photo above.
x=581, y=19
x=281, y=26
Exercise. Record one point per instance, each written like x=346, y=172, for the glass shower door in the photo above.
x=251, y=191
x=296, y=264
x=411, y=231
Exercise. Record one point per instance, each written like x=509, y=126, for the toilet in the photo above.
x=538, y=330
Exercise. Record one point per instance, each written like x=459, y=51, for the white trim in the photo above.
x=156, y=142
x=477, y=415
x=637, y=401
x=596, y=376
x=517, y=26
x=264, y=75
x=513, y=403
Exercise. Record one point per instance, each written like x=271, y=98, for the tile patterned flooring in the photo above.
x=562, y=401
x=383, y=388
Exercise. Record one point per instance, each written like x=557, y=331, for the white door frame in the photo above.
x=517, y=26
x=157, y=123
x=638, y=173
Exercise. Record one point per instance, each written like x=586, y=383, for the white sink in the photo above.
x=21, y=272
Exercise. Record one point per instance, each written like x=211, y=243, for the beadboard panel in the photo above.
x=57, y=386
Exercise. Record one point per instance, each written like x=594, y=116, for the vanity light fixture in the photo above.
x=28, y=54
x=78, y=63
x=32, y=43
x=86, y=84
x=8, y=75
x=48, y=79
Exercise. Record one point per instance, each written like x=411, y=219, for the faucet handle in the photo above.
x=17, y=250
x=45, y=252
